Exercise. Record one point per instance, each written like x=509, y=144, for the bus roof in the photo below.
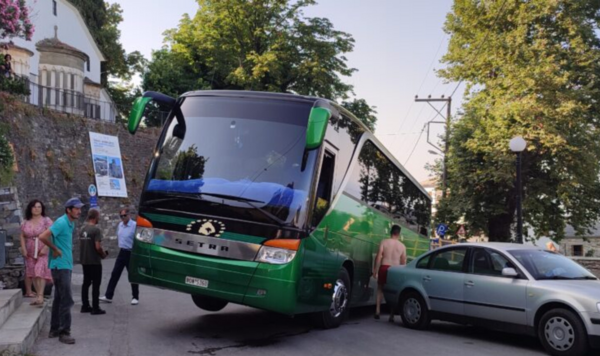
x=308, y=99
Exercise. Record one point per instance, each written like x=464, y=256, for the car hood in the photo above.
x=587, y=288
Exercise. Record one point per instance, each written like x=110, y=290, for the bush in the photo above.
x=15, y=85
x=6, y=159
x=590, y=253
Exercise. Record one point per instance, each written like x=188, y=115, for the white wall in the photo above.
x=71, y=30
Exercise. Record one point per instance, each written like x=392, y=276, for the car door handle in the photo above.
x=469, y=284
x=427, y=279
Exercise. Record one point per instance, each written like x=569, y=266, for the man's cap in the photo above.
x=74, y=203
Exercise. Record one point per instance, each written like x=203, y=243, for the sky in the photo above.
x=398, y=47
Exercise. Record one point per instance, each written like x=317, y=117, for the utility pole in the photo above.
x=448, y=104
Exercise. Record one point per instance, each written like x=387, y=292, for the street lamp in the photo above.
x=517, y=145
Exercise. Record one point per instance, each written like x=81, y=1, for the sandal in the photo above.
x=30, y=295
x=36, y=303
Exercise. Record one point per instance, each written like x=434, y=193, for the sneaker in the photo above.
x=52, y=334
x=98, y=312
x=86, y=309
x=134, y=301
x=66, y=339
x=105, y=300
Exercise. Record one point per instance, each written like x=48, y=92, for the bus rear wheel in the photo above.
x=209, y=303
x=340, y=302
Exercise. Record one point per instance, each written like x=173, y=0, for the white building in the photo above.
x=62, y=61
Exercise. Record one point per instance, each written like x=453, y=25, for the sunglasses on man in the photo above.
x=123, y=216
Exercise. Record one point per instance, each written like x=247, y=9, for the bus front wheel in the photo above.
x=209, y=303
x=340, y=302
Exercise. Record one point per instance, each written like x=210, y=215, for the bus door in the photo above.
x=320, y=251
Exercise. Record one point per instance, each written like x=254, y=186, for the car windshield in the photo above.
x=549, y=265
x=242, y=158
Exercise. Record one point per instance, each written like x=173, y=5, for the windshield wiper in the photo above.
x=249, y=202
x=569, y=278
x=586, y=278
x=197, y=197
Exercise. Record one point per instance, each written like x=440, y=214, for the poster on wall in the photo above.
x=108, y=165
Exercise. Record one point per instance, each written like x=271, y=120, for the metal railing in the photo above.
x=66, y=100
x=71, y=101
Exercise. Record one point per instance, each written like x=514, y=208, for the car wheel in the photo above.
x=562, y=333
x=209, y=303
x=414, y=311
x=340, y=302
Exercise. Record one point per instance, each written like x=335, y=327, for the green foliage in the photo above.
x=362, y=111
x=15, y=85
x=123, y=94
x=103, y=19
x=532, y=68
x=590, y=253
x=263, y=45
x=170, y=73
x=6, y=157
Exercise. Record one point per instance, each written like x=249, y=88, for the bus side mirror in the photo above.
x=139, y=106
x=137, y=112
x=317, y=125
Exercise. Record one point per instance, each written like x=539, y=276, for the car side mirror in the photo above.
x=509, y=272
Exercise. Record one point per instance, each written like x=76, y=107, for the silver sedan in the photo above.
x=506, y=287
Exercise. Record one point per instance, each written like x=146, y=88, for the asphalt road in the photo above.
x=168, y=323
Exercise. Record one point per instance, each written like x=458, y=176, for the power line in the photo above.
x=444, y=37
x=419, y=138
x=459, y=83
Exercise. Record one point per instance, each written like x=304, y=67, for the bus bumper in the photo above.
x=259, y=285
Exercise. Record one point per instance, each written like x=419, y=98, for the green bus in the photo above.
x=273, y=201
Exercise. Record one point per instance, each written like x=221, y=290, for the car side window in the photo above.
x=450, y=260
x=488, y=262
x=424, y=262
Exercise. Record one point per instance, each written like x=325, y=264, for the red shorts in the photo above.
x=382, y=274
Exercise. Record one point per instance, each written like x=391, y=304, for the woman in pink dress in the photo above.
x=34, y=251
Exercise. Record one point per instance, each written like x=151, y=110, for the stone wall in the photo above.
x=10, y=221
x=53, y=162
x=590, y=246
x=593, y=264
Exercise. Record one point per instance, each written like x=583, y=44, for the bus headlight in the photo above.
x=145, y=234
x=274, y=255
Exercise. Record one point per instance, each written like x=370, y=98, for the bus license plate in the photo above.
x=198, y=282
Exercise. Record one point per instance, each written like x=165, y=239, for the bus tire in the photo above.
x=340, y=303
x=209, y=303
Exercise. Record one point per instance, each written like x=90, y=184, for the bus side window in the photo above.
x=324, y=188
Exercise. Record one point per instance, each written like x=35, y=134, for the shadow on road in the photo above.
x=256, y=328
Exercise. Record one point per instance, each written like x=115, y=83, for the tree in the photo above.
x=170, y=73
x=532, y=68
x=103, y=19
x=363, y=111
x=264, y=45
x=14, y=19
x=123, y=94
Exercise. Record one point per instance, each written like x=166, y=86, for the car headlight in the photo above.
x=145, y=234
x=598, y=307
x=274, y=255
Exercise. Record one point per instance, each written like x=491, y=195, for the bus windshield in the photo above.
x=235, y=157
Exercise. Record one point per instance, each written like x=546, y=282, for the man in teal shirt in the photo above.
x=59, y=238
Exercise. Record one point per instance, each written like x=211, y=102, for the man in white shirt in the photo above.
x=125, y=233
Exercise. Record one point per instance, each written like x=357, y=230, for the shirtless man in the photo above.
x=391, y=253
